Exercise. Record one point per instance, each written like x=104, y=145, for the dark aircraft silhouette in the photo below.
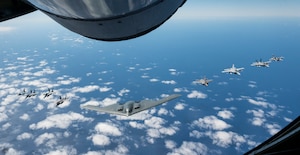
x=61, y=100
x=49, y=93
x=109, y=20
x=22, y=93
x=31, y=94
x=276, y=58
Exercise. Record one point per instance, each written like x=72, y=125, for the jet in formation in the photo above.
x=261, y=63
x=131, y=107
x=233, y=70
x=204, y=81
x=22, y=93
x=31, y=94
x=61, y=100
x=49, y=93
x=275, y=58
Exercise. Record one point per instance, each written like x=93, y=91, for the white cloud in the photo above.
x=197, y=94
x=195, y=134
x=288, y=119
x=259, y=103
x=61, y=121
x=225, y=114
x=44, y=71
x=272, y=128
x=5, y=126
x=154, y=122
x=211, y=122
x=257, y=121
x=137, y=125
x=172, y=70
x=123, y=91
x=162, y=111
x=63, y=150
x=101, y=140
x=178, y=90
x=168, y=82
x=45, y=137
x=39, y=107
x=170, y=144
x=154, y=133
x=107, y=129
x=179, y=106
x=153, y=80
x=104, y=89
x=225, y=139
x=24, y=135
x=190, y=148
x=86, y=89
x=68, y=81
x=229, y=99
x=3, y=117
x=25, y=117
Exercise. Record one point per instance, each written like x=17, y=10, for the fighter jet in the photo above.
x=275, y=58
x=22, y=93
x=61, y=100
x=131, y=107
x=204, y=81
x=233, y=70
x=261, y=63
x=47, y=94
x=31, y=94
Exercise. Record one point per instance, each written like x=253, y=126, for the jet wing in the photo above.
x=112, y=109
x=225, y=71
x=137, y=107
x=147, y=104
x=240, y=69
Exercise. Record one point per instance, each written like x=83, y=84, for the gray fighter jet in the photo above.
x=61, y=100
x=49, y=93
x=204, y=81
x=131, y=107
x=233, y=70
x=31, y=94
x=261, y=63
x=275, y=58
x=22, y=93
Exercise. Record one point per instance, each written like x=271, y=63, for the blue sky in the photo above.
x=239, y=8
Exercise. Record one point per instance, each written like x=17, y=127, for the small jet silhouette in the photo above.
x=61, y=100
x=204, y=81
x=31, y=94
x=261, y=63
x=49, y=93
x=233, y=70
x=275, y=58
x=22, y=93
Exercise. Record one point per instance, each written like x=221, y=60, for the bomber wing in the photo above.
x=112, y=109
x=147, y=104
x=137, y=106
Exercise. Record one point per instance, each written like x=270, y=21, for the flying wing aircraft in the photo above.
x=233, y=70
x=109, y=20
x=204, y=81
x=261, y=63
x=131, y=107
